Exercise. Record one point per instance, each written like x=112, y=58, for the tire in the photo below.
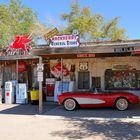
x=70, y=104
x=122, y=104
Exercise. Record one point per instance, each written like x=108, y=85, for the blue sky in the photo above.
x=127, y=10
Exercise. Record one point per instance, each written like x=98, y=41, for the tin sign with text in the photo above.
x=51, y=34
x=64, y=41
x=40, y=67
x=39, y=76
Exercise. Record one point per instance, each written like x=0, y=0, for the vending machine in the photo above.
x=50, y=85
x=65, y=86
x=21, y=94
x=57, y=90
x=9, y=92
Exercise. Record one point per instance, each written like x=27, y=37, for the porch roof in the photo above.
x=17, y=57
x=86, y=49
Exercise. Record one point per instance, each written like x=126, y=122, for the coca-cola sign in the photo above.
x=21, y=66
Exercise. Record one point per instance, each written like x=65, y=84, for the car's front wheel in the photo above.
x=122, y=104
x=70, y=104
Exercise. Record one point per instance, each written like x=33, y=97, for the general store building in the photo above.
x=105, y=65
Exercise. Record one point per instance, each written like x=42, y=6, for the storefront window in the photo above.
x=83, y=80
x=122, y=79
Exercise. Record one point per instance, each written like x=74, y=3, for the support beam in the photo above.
x=17, y=70
x=61, y=75
x=40, y=91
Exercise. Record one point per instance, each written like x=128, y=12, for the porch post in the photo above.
x=40, y=91
x=17, y=70
x=61, y=75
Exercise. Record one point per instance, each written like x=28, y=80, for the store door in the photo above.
x=83, y=80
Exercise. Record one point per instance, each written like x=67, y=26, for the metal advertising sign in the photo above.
x=63, y=41
x=85, y=55
x=40, y=76
x=20, y=46
x=83, y=66
x=40, y=67
x=122, y=67
x=124, y=49
x=51, y=34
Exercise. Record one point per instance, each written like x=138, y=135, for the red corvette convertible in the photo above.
x=120, y=100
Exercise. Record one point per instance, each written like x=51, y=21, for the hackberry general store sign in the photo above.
x=64, y=41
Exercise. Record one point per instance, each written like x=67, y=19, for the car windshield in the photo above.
x=93, y=90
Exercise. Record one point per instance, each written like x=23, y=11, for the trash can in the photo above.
x=34, y=96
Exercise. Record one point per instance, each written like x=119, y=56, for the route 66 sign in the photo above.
x=75, y=32
x=83, y=66
x=40, y=67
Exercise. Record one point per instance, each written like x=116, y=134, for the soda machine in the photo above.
x=21, y=93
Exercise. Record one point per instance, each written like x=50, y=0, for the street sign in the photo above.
x=75, y=32
x=39, y=76
x=40, y=67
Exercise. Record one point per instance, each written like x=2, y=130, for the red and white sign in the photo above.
x=20, y=46
x=50, y=81
x=56, y=70
x=85, y=55
x=21, y=66
x=136, y=52
x=62, y=41
x=50, y=85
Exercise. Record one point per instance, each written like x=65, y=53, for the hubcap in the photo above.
x=122, y=104
x=70, y=104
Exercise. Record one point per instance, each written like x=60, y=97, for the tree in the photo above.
x=92, y=27
x=16, y=19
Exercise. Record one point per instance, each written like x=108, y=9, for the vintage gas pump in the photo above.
x=9, y=93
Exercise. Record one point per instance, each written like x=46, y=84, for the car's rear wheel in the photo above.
x=121, y=104
x=70, y=104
